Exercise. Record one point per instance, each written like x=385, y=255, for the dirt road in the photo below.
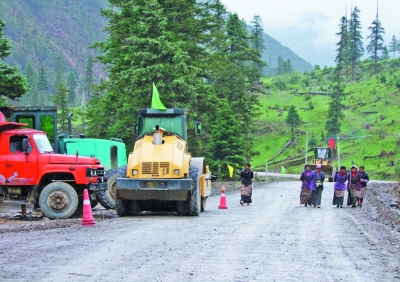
x=273, y=239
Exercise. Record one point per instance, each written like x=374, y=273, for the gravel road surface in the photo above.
x=273, y=239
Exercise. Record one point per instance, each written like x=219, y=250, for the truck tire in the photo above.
x=121, y=206
x=203, y=203
x=134, y=207
x=107, y=197
x=58, y=200
x=193, y=206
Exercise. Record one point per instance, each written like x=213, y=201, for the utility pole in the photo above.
x=338, y=150
x=306, y=145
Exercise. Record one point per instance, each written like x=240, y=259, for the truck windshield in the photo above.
x=170, y=124
x=322, y=153
x=42, y=143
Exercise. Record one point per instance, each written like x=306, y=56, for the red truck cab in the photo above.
x=31, y=172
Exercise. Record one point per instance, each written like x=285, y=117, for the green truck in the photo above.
x=111, y=153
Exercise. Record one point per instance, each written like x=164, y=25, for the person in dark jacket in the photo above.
x=364, y=178
x=306, y=179
x=340, y=179
x=353, y=186
x=317, y=185
x=246, y=189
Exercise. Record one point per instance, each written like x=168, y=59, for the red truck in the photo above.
x=31, y=173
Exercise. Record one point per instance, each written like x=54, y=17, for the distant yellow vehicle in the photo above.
x=323, y=156
x=161, y=175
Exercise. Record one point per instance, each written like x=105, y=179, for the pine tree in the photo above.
x=89, y=80
x=153, y=41
x=42, y=88
x=71, y=84
x=281, y=66
x=376, y=42
x=227, y=147
x=356, y=49
x=335, y=110
x=394, y=46
x=31, y=79
x=60, y=99
x=12, y=83
x=257, y=40
x=385, y=53
x=58, y=74
x=293, y=118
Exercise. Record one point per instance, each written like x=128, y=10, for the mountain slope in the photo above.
x=276, y=49
x=42, y=30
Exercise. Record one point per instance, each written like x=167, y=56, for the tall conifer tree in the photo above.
x=12, y=83
x=42, y=87
x=335, y=110
x=375, y=44
x=394, y=46
x=356, y=49
x=153, y=41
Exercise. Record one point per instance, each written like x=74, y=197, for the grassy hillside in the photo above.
x=370, y=131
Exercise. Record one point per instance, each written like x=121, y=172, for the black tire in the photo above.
x=121, y=206
x=133, y=207
x=193, y=207
x=93, y=203
x=203, y=204
x=58, y=200
x=107, y=197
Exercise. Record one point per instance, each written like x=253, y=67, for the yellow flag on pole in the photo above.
x=230, y=168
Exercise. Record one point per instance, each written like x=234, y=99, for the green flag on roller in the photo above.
x=156, y=103
x=283, y=170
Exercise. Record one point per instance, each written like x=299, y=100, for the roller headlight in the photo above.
x=134, y=171
x=176, y=171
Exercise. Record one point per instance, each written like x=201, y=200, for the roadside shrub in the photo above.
x=279, y=82
x=307, y=97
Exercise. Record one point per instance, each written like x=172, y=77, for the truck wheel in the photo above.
x=107, y=197
x=203, y=203
x=58, y=200
x=134, y=207
x=192, y=207
x=121, y=206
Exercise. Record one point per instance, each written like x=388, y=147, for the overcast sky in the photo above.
x=308, y=27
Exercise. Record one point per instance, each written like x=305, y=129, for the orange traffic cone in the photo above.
x=87, y=219
x=222, y=202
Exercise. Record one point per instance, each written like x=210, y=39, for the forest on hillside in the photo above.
x=53, y=38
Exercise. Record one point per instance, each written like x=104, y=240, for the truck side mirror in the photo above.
x=197, y=127
x=26, y=145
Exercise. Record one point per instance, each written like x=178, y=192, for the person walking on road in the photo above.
x=306, y=180
x=364, y=178
x=317, y=185
x=340, y=179
x=353, y=186
x=246, y=189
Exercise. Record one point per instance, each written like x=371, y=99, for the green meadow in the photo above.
x=370, y=129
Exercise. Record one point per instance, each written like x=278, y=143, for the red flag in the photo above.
x=331, y=143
